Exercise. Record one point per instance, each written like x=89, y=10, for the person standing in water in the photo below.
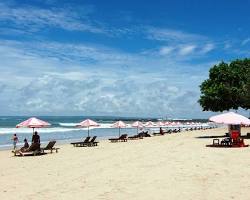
x=15, y=140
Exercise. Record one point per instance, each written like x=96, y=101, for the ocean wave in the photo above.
x=40, y=130
x=69, y=124
x=102, y=125
x=4, y=118
x=49, y=130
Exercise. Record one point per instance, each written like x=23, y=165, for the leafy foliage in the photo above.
x=228, y=87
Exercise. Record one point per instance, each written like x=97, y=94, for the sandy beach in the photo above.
x=176, y=166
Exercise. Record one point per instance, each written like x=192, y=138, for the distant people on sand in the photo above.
x=161, y=131
x=35, y=138
x=15, y=141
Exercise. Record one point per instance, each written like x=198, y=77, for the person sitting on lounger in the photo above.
x=25, y=146
x=36, y=138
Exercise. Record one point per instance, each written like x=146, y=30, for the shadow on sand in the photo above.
x=214, y=136
x=247, y=136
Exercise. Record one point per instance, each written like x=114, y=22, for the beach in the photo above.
x=173, y=166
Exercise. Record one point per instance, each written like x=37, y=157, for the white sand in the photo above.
x=176, y=166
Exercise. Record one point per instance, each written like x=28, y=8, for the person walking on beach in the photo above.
x=35, y=138
x=15, y=140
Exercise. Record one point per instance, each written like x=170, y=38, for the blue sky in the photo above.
x=123, y=58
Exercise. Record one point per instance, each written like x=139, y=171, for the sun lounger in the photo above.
x=92, y=142
x=86, y=143
x=169, y=131
x=122, y=138
x=33, y=150
x=135, y=137
x=81, y=144
x=50, y=147
x=144, y=134
x=157, y=134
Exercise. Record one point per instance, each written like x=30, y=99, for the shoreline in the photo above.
x=77, y=135
x=100, y=139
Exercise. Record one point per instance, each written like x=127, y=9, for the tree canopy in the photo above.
x=228, y=87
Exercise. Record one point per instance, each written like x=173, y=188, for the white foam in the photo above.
x=48, y=130
x=69, y=124
x=42, y=130
x=102, y=125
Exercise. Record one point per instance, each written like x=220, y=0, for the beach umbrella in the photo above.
x=173, y=123
x=149, y=124
x=88, y=123
x=33, y=123
x=137, y=124
x=167, y=123
x=230, y=118
x=178, y=124
x=119, y=124
x=160, y=124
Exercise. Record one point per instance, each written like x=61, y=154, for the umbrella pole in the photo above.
x=33, y=130
x=119, y=131
x=88, y=131
x=137, y=129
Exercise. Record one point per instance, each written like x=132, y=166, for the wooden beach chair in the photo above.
x=33, y=150
x=81, y=144
x=92, y=142
x=158, y=134
x=50, y=147
x=144, y=134
x=135, y=137
x=122, y=138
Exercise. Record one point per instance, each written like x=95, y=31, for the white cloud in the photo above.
x=187, y=49
x=166, y=50
x=180, y=43
x=72, y=79
x=53, y=95
x=244, y=42
x=207, y=48
x=32, y=19
x=170, y=35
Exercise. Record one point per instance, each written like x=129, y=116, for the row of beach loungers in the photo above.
x=125, y=138
x=35, y=149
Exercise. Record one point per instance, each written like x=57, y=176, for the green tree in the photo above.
x=228, y=87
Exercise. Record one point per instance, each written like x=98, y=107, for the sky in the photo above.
x=115, y=58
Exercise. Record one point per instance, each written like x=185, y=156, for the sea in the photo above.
x=64, y=129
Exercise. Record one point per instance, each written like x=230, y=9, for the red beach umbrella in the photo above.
x=230, y=118
x=119, y=124
x=88, y=123
x=160, y=124
x=33, y=123
x=149, y=124
x=137, y=124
